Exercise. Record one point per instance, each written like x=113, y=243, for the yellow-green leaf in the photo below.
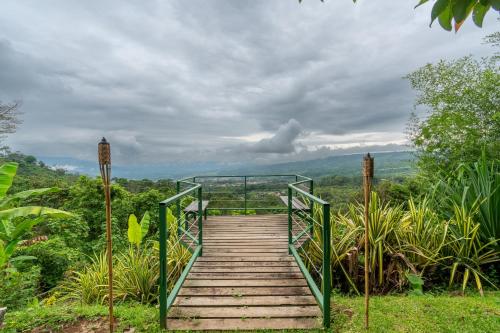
x=7, y=173
x=134, y=231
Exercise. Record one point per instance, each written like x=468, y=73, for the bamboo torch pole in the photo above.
x=104, y=154
x=368, y=164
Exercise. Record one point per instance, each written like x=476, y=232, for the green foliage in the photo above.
x=89, y=285
x=466, y=249
x=416, y=284
x=476, y=187
x=16, y=221
x=53, y=257
x=18, y=288
x=137, y=274
x=455, y=12
x=462, y=97
x=136, y=232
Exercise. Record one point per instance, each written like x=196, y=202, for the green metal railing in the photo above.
x=309, y=241
x=182, y=235
x=245, y=194
x=307, y=229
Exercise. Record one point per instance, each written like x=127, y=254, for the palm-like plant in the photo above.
x=467, y=249
x=16, y=221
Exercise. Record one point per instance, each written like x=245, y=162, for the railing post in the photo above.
x=163, y=266
x=289, y=219
x=326, y=265
x=245, y=195
x=200, y=220
x=178, y=209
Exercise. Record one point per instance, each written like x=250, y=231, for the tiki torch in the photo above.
x=367, y=183
x=104, y=153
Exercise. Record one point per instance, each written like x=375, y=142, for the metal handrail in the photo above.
x=166, y=300
x=322, y=293
x=244, y=199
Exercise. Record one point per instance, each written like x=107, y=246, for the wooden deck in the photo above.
x=245, y=280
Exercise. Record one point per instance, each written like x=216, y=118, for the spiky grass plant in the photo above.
x=467, y=251
x=89, y=285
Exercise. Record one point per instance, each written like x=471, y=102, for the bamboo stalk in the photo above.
x=367, y=180
x=104, y=155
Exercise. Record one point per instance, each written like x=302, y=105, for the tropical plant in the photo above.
x=15, y=220
x=137, y=274
x=89, y=285
x=474, y=186
x=423, y=234
x=466, y=249
x=136, y=232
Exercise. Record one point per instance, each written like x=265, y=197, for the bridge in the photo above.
x=244, y=252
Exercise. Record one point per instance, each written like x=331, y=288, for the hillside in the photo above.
x=386, y=164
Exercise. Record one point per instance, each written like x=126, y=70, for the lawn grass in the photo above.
x=442, y=313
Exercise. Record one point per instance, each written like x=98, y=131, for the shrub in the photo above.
x=18, y=288
x=53, y=257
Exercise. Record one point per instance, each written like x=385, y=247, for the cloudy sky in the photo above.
x=227, y=80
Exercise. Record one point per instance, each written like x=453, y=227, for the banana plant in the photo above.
x=16, y=221
x=136, y=232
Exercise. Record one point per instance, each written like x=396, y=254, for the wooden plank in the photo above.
x=244, y=300
x=248, y=258
x=244, y=291
x=237, y=264
x=243, y=250
x=245, y=312
x=245, y=283
x=242, y=324
x=253, y=269
x=193, y=206
x=245, y=280
x=241, y=254
x=232, y=276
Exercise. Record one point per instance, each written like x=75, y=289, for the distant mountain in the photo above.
x=386, y=163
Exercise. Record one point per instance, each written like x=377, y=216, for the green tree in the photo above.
x=463, y=101
x=15, y=220
x=451, y=13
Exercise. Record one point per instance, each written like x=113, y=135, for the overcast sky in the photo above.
x=202, y=80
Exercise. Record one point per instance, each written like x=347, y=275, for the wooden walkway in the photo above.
x=245, y=280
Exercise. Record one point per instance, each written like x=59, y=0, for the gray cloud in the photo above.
x=283, y=142
x=179, y=80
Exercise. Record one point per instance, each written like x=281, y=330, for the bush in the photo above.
x=53, y=257
x=18, y=288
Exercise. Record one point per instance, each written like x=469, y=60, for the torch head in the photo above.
x=104, y=152
x=104, y=155
x=368, y=166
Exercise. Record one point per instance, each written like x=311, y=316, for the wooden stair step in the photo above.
x=244, y=300
x=201, y=269
x=243, y=323
x=244, y=291
x=244, y=283
x=245, y=311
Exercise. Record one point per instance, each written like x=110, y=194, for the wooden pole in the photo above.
x=104, y=154
x=367, y=182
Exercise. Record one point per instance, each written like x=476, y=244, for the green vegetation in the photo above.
x=464, y=114
x=453, y=13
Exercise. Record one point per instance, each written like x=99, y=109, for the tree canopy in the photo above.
x=463, y=102
x=453, y=13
